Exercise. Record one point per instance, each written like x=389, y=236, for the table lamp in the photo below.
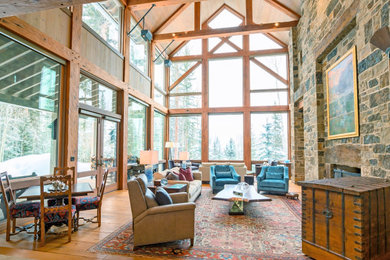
x=184, y=156
x=169, y=145
x=149, y=158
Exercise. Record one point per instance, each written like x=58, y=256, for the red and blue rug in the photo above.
x=269, y=230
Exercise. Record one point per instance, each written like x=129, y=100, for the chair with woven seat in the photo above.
x=221, y=175
x=91, y=202
x=64, y=213
x=15, y=210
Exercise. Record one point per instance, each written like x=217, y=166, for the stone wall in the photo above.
x=323, y=35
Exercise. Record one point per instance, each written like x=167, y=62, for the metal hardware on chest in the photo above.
x=327, y=213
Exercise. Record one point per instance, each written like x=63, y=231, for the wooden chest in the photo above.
x=346, y=218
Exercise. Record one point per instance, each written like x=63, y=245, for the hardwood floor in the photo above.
x=115, y=213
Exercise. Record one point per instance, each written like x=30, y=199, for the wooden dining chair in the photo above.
x=15, y=210
x=92, y=202
x=58, y=213
x=65, y=171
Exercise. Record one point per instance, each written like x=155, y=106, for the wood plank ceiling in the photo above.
x=178, y=20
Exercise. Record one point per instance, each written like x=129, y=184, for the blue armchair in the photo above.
x=273, y=179
x=221, y=175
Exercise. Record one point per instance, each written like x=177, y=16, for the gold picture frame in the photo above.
x=342, y=97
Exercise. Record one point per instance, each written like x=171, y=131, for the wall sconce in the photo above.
x=381, y=39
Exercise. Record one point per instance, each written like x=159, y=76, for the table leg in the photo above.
x=237, y=208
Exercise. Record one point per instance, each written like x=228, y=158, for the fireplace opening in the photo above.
x=340, y=171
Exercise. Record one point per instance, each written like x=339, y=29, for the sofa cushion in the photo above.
x=272, y=184
x=223, y=181
x=222, y=163
x=225, y=175
x=172, y=176
x=150, y=199
x=162, y=197
x=237, y=164
x=207, y=164
x=274, y=175
x=194, y=187
x=187, y=174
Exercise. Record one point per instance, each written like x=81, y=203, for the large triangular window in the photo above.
x=225, y=18
x=193, y=47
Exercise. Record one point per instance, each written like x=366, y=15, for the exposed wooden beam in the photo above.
x=223, y=32
x=146, y=4
x=276, y=39
x=284, y=9
x=242, y=109
x=177, y=49
x=171, y=18
x=12, y=7
x=197, y=16
x=188, y=72
x=249, y=11
x=216, y=47
x=273, y=73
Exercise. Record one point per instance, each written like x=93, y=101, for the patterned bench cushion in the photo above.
x=58, y=213
x=86, y=203
x=25, y=209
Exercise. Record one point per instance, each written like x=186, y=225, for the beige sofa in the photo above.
x=205, y=169
x=159, y=224
x=194, y=188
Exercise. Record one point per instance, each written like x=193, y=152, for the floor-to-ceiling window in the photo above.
x=29, y=104
x=158, y=134
x=226, y=137
x=30, y=85
x=136, y=131
x=186, y=132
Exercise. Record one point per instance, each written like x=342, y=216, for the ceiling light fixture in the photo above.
x=145, y=34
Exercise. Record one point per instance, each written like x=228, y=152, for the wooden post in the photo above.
x=71, y=114
x=205, y=102
x=246, y=102
x=123, y=103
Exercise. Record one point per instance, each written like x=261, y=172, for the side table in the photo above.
x=249, y=178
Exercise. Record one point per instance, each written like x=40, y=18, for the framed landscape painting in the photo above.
x=342, y=99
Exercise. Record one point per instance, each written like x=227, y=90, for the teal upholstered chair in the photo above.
x=273, y=179
x=221, y=175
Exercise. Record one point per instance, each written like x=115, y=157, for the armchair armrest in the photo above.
x=212, y=173
x=261, y=176
x=197, y=175
x=286, y=177
x=166, y=209
x=235, y=174
x=179, y=197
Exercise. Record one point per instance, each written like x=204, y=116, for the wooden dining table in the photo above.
x=34, y=192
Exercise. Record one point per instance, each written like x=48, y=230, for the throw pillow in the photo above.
x=187, y=174
x=162, y=197
x=222, y=168
x=172, y=176
x=182, y=177
x=150, y=199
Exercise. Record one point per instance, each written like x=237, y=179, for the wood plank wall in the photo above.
x=77, y=60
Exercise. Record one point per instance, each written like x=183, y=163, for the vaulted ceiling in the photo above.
x=177, y=19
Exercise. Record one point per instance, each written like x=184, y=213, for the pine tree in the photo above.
x=277, y=137
x=230, y=150
x=265, y=151
x=215, y=152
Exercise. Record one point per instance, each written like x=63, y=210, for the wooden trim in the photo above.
x=246, y=101
x=171, y=18
x=233, y=45
x=186, y=58
x=188, y=72
x=197, y=16
x=273, y=73
x=283, y=8
x=277, y=40
x=249, y=11
x=222, y=32
x=126, y=46
x=146, y=4
x=32, y=34
x=269, y=90
x=215, y=110
x=216, y=47
x=123, y=104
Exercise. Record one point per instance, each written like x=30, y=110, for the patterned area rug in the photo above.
x=269, y=230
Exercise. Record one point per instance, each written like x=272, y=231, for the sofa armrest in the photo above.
x=179, y=197
x=166, y=209
x=261, y=176
x=197, y=175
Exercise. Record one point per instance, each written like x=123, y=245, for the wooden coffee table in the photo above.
x=171, y=188
x=239, y=202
